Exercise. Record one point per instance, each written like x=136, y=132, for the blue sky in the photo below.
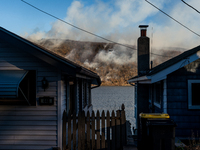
x=116, y=20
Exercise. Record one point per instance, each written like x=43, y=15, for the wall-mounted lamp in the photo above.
x=45, y=83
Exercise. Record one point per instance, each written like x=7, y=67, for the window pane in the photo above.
x=195, y=93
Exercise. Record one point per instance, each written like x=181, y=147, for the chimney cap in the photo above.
x=143, y=26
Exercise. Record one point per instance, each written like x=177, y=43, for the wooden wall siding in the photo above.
x=177, y=100
x=28, y=127
x=63, y=95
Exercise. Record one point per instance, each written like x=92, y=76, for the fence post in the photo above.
x=103, y=145
x=83, y=130
x=88, y=130
x=69, y=130
x=98, y=130
x=93, y=130
x=64, y=131
x=118, y=136
x=108, y=129
x=74, y=130
x=113, y=130
x=79, y=130
x=123, y=125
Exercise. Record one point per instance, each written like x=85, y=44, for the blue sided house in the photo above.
x=172, y=87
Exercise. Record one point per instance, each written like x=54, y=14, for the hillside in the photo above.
x=114, y=64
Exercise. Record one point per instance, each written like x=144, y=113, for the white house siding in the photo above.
x=29, y=127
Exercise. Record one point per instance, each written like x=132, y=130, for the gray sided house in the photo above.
x=171, y=87
x=36, y=86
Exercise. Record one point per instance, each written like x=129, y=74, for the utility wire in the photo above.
x=173, y=18
x=85, y=30
x=190, y=6
x=76, y=26
x=161, y=55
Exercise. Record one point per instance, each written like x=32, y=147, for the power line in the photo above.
x=76, y=26
x=161, y=55
x=173, y=18
x=190, y=6
x=85, y=30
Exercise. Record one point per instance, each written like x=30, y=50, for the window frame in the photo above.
x=30, y=97
x=190, y=106
x=155, y=92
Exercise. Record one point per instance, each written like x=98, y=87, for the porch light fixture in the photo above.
x=45, y=83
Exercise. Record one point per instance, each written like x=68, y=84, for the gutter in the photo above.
x=95, y=86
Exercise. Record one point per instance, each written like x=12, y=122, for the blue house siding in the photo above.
x=187, y=120
x=29, y=127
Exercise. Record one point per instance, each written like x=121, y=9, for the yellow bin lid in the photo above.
x=154, y=115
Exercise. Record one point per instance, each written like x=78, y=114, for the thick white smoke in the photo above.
x=118, y=20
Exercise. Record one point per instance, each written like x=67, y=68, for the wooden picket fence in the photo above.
x=90, y=132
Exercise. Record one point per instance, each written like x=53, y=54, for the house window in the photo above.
x=193, y=94
x=158, y=93
x=17, y=87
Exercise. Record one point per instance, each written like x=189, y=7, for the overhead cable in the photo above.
x=173, y=18
x=85, y=30
x=190, y=6
x=77, y=27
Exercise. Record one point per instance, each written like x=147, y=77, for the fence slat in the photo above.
x=79, y=130
x=74, y=130
x=83, y=131
x=123, y=126
x=103, y=130
x=88, y=130
x=113, y=130
x=108, y=129
x=64, y=131
x=69, y=130
x=117, y=129
x=93, y=130
x=98, y=130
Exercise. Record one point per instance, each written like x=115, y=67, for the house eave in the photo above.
x=142, y=79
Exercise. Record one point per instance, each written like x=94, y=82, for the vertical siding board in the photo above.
x=93, y=130
x=64, y=131
x=123, y=126
x=118, y=136
x=177, y=98
x=108, y=129
x=88, y=130
x=83, y=130
x=79, y=131
x=74, y=130
x=69, y=130
x=98, y=130
x=103, y=130
x=113, y=130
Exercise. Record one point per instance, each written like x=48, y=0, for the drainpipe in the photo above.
x=165, y=96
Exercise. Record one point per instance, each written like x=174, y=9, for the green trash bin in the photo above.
x=157, y=132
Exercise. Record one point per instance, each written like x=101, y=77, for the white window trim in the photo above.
x=154, y=102
x=190, y=106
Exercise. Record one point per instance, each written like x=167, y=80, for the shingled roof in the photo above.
x=62, y=63
x=170, y=62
